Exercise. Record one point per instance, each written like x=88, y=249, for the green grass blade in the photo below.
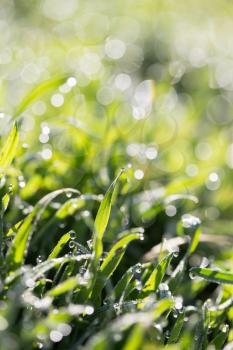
x=64, y=287
x=13, y=230
x=119, y=245
x=122, y=284
x=220, y=338
x=58, y=247
x=40, y=269
x=102, y=218
x=156, y=277
x=70, y=207
x=5, y=202
x=103, y=276
x=176, y=330
x=9, y=149
x=18, y=248
x=135, y=338
x=37, y=92
x=212, y=275
x=178, y=275
x=111, y=262
x=194, y=241
x=162, y=306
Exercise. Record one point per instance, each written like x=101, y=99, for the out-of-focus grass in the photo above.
x=94, y=88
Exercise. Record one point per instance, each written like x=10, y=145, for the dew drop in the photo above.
x=138, y=268
x=89, y=310
x=65, y=329
x=10, y=188
x=189, y=221
x=192, y=275
x=39, y=259
x=225, y=328
x=141, y=237
x=56, y=336
x=117, y=337
x=204, y=262
x=163, y=287
x=167, y=334
x=178, y=303
x=116, y=307
x=138, y=285
x=3, y=323
x=90, y=244
x=30, y=283
x=71, y=244
x=72, y=234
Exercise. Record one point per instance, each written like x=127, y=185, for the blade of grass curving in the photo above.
x=123, y=283
x=58, y=247
x=40, y=269
x=212, y=275
x=9, y=149
x=122, y=243
x=156, y=277
x=37, y=92
x=18, y=248
x=102, y=276
x=64, y=287
x=194, y=241
x=13, y=230
x=70, y=207
x=111, y=262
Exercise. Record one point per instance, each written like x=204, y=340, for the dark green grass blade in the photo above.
x=212, y=275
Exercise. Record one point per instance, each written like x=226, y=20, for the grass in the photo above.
x=116, y=175
x=76, y=297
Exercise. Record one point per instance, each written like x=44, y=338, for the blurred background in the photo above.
x=97, y=86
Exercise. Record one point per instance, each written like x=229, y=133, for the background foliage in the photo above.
x=88, y=89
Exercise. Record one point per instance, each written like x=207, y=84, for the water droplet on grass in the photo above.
x=39, y=259
x=189, y=221
x=72, y=234
x=71, y=244
x=89, y=310
x=3, y=323
x=141, y=237
x=192, y=275
x=64, y=328
x=56, y=336
x=90, y=244
x=10, y=188
x=138, y=285
x=204, y=262
x=30, y=283
x=225, y=328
